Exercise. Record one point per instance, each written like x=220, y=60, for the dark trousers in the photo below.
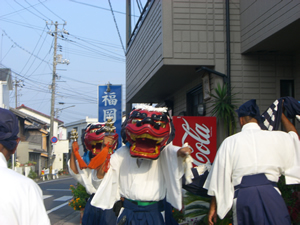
x=259, y=203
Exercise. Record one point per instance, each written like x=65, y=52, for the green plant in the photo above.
x=80, y=196
x=223, y=107
x=32, y=174
x=195, y=208
x=178, y=215
x=60, y=172
x=291, y=196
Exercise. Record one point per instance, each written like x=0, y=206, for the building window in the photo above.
x=195, y=102
x=286, y=88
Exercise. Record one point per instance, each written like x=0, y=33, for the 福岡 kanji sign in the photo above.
x=110, y=105
x=200, y=133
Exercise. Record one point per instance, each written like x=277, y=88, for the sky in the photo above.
x=91, y=38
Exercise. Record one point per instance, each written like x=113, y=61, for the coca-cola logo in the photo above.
x=199, y=136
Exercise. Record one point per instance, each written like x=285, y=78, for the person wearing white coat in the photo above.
x=21, y=199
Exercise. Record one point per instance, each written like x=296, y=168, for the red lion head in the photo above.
x=93, y=138
x=147, y=130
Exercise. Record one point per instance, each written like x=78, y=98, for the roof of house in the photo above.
x=27, y=117
x=37, y=112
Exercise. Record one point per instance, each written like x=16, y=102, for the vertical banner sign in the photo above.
x=200, y=133
x=110, y=105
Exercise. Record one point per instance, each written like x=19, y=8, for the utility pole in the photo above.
x=52, y=101
x=16, y=92
x=18, y=83
x=55, y=61
x=128, y=21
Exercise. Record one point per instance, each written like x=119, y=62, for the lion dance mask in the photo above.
x=147, y=130
x=93, y=141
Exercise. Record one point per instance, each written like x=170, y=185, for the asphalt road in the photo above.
x=56, y=198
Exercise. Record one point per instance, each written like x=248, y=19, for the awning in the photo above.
x=44, y=155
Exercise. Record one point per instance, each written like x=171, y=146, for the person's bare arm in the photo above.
x=73, y=165
x=287, y=125
x=100, y=171
x=212, y=214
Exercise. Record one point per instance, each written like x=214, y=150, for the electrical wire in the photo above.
x=22, y=47
x=96, y=6
x=116, y=26
x=84, y=47
x=29, y=10
x=7, y=51
x=52, y=11
x=9, y=14
x=96, y=51
x=36, y=9
x=31, y=55
x=138, y=6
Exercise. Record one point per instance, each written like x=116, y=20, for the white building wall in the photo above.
x=4, y=95
x=79, y=126
x=59, y=149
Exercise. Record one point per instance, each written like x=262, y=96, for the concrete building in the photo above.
x=79, y=126
x=181, y=49
x=5, y=87
x=39, y=138
x=33, y=146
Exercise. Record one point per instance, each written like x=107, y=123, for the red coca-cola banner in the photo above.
x=200, y=133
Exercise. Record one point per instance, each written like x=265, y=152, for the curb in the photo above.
x=40, y=181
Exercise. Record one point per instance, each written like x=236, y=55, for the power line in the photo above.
x=29, y=10
x=52, y=12
x=95, y=45
x=116, y=26
x=31, y=55
x=36, y=9
x=9, y=14
x=96, y=51
x=138, y=6
x=22, y=47
x=22, y=24
x=97, y=7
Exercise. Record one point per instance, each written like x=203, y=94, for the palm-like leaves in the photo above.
x=193, y=208
x=223, y=107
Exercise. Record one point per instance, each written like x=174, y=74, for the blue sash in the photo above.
x=141, y=215
x=259, y=203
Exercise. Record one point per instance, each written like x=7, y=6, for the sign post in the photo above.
x=110, y=105
x=54, y=139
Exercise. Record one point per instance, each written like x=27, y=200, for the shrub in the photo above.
x=80, y=196
x=32, y=174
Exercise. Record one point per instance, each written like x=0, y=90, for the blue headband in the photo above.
x=9, y=129
x=249, y=108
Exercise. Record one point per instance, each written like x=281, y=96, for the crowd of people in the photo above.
x=140, y=182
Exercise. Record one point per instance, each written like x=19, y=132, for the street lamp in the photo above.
x=59, y=110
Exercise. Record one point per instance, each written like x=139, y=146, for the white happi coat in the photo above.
x=87, y=177
x=21, y=199
x=152, y=180
x=249, y=152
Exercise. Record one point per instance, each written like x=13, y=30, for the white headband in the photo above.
x=151, y=108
